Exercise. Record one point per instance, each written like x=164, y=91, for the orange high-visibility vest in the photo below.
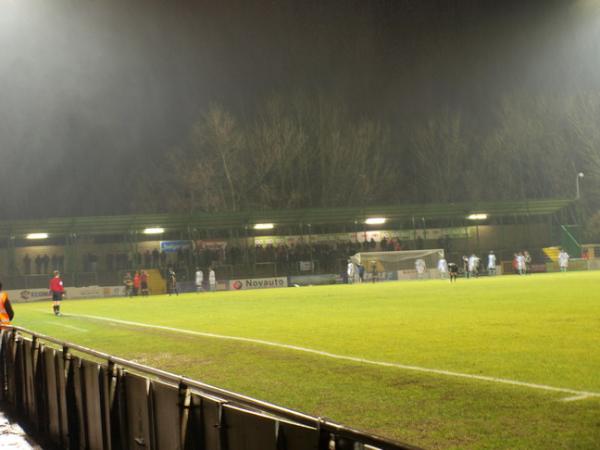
x=4, y=319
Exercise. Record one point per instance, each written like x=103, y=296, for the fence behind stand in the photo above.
x=73, y=401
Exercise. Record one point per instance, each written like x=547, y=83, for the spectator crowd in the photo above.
x=324, y=256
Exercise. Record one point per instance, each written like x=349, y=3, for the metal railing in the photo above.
x=569, y=242
x=75, y=397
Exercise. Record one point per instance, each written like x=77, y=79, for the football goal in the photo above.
x=407, y=264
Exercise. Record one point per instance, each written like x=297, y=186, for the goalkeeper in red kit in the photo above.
x=58, y=292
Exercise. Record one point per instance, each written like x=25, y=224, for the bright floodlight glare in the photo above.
x=154, y=230
x=375, y=221
x=263, y=226
x=478, y=216
x=580, y=174
x=37, y=236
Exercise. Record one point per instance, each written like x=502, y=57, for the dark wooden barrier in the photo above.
x=72, y=397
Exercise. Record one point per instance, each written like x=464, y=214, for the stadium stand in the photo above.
x=98, y=250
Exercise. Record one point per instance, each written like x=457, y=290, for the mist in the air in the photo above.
x=93, y=94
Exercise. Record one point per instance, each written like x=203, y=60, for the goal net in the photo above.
x=406, y=264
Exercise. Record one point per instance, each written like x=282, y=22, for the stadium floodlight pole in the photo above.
x=577, y=191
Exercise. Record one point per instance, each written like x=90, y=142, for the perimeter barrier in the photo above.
x=73, y=397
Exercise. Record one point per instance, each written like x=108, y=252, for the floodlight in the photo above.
x=477, y=216
x=37, y=236
x=154, y=230
x=264, y=226
x=375, y=221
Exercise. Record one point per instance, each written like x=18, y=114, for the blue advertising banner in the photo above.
x=174, y=246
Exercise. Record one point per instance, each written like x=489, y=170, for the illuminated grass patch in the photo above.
x=542, y=329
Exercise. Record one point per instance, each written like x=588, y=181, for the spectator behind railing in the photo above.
x=324, y=255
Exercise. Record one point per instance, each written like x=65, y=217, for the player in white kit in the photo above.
x=521, y=263
x=563, y=260
x=212, y=279
x=491, y=265
x=350, y=272
x=199, y=280
x=443, y=268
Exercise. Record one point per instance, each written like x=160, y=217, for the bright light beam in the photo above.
x=375, y=220
x=37, y=236
x=264, y=226
x=477, y=216
x=154, y=230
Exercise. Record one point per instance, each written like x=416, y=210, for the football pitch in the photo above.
x=504, y=362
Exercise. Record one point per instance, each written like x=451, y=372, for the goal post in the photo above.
x=406, y=264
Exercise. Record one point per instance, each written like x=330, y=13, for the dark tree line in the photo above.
x=299, y=151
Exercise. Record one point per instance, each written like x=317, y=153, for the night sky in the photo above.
x=94, y=92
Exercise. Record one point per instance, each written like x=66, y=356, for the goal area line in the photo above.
x=573, y=394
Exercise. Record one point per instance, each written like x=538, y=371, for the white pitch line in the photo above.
x=575, y=394
x=575, y=398
x=68, y=326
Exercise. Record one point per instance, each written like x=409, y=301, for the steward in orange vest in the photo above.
x=6, y=311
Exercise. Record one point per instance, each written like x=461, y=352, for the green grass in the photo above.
x=541, y=329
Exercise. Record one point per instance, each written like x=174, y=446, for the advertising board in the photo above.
x=33, y=295
x=258, y=283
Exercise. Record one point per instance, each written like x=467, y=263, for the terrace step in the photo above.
x=156, y=283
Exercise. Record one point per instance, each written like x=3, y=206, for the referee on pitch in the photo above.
x=58, y=292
